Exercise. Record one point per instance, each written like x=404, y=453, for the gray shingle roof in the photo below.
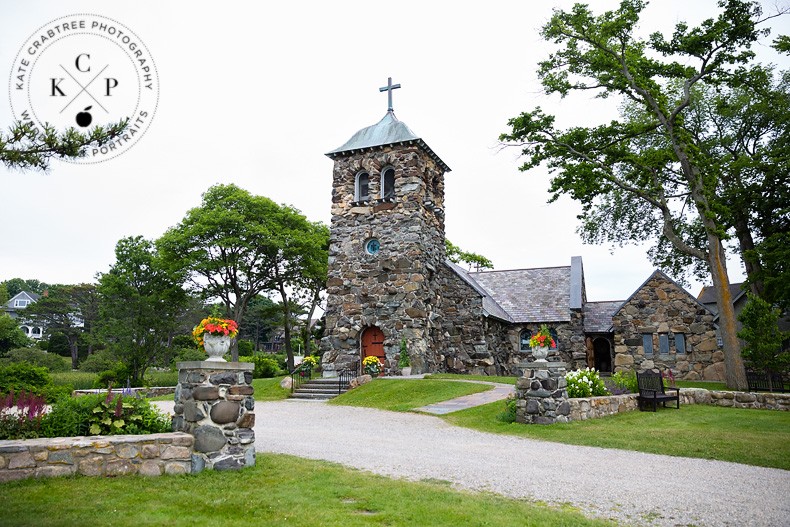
x=708, y=294
x=598, y=316
x=530, y=295
x=388, y=131
x=490, y=307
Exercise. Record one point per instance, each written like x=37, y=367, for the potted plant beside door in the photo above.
x=403, y=363
x=371, y=366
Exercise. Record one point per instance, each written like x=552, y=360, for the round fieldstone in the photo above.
x=225, y=412
x=208, y=439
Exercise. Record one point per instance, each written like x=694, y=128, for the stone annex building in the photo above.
x=389, y=280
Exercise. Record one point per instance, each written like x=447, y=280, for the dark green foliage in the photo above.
x=100, y=361
x=11, y=335
x=403, y=361
x=763, y=338
x=508, y=413
x=245, y=348
x=182, y=341
x=265, y=368
x=37, y=357
x=189, y=355
x=96, y=414
x=24, y=376
x=141, y=301
x=14, y=286
x=42, y=344
x=474, y=261
x=59, y=345
x=119, y=377
x=25, y=146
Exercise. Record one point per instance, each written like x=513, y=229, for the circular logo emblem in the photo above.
x=83, y=71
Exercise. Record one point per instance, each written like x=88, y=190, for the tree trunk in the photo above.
x=753, y=267
x=287, y=330
x=734, y=371
x=73, y=348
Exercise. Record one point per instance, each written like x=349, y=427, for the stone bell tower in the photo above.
x=386, y=248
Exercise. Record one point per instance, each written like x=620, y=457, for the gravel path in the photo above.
x=602, y=482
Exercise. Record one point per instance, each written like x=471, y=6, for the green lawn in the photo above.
x=278, y=491
x=403, y=395
x=455, y=376
x=753, y=437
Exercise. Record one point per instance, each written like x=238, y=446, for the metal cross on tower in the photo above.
x=388, y=88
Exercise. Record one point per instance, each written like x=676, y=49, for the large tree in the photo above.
x=60, y=312
x=648, y=163
x=14, y=286
x=11, y=335
x=237, y=245
x=25, y=147
x=299, y=273
x=141, y=300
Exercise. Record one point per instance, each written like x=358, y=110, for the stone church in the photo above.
x=389, y=281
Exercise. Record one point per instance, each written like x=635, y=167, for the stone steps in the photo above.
x=318, y=389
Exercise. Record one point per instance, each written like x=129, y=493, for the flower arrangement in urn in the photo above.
x=541, y=343
x=214, y=335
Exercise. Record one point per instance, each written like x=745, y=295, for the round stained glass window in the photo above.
x=372, y=246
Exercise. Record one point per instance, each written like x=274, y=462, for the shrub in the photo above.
x=245, y=348
x=120, y=376
x=404, y=362
x=508, y=413
x=40, y=358
x=189, y=354
x=24, y=376
x=585, y=383
x=99, y=362
x=103, y=414
x=265, y=368
x=625, y=381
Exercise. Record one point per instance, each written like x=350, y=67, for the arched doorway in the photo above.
x=373, y=344
x=603, y=355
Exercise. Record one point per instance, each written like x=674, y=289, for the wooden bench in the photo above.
x=651, y=389
x=758, y=382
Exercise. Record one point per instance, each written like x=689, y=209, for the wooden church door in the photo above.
x=373, y=344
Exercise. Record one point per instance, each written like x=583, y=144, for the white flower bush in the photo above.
x=585, y=383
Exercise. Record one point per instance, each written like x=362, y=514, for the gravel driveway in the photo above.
x=636, y=488
x=602, y=482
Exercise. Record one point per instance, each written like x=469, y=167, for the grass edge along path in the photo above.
x=401, y=395
x=740, y=435
x=279, y=491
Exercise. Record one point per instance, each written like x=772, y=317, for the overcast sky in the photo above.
x=254, y=93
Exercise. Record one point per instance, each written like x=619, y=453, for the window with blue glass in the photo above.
x=680, y=343
x=647, y=343
x=663, y=343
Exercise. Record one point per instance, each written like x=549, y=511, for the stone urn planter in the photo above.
x=405, y=371
x=540, y=353
x=216, y=346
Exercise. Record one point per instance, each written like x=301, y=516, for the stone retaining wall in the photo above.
x=593, y=407
x=155, y=391
x=148, y=455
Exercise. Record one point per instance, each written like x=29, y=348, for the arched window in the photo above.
x=553, y=333
x=388, y=183
x=362, y=187
x=523, y=340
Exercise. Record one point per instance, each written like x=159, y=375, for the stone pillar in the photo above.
x=214, y=403
x=543, y=394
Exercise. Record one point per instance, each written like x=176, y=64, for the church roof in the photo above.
x=387, y=132
x=530, y=295
x=490, y=307
x=598, y=316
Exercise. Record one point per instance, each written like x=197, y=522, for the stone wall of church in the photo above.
x=661, y=310
x=397, y=289
x=570, y=349
x=463, y=326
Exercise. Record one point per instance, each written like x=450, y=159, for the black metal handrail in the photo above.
x=344, y=379
x=298, y=375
